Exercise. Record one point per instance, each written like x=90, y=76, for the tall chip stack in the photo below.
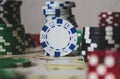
x=63, y=9
x=12, y=32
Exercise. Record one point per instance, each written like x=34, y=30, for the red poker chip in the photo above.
x=109, y=19
x=109, y=68
x=36, y=39
x=104, y=24
x=107, y=14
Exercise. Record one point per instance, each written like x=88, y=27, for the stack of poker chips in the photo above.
x=103, y=65
x=109, y=19
x=12, y=32
x=32, y=40
x=53, y=9
x=100, y=38
x=12, y=38
x=10, y=11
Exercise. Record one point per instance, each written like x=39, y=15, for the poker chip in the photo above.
x=58, y=12
x=59, y=9
x=32, y=40
x=12, y=39
x=36, y=39
x=79, y=39
x=105, y=67
x=14, y=62
x=100, y=38
x=109, y=19
x=53, y=43
x=52, y=10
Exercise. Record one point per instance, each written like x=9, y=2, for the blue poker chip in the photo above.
x=58, y=37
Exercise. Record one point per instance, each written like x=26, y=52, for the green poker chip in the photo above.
x=79, y=38
x=14, y=63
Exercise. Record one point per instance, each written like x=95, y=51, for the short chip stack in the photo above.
x=109, y=19
x=12, y=32
x=100, y=38
x=61, y=9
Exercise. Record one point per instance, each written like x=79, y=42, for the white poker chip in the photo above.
x=53, y=17
x=56, y=8
x=58, y=37
x=56, y=11
x=65, y=17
